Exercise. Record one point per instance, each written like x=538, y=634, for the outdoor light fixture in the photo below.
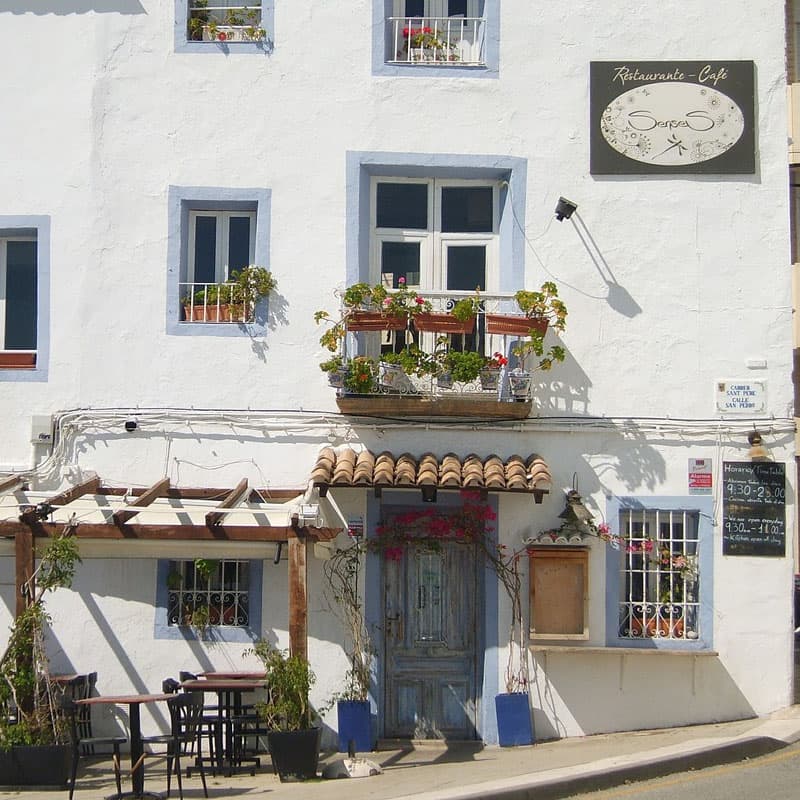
x=757, y=450
x=565, y=208
x=131, y=424
x=429, y=494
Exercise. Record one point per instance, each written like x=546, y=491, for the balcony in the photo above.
x=436, y=41
x=449, y=354
x=217, y=303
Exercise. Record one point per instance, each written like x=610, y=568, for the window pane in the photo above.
x=238, y=243
x=457, y=8
x=466, y=268
x=205, y=249
x=20, y=323
x=467, y=209
x=402, y=205
x=399, y=260
x=415, y=8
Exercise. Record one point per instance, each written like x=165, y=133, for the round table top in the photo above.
x=229, y=685
x=233, y=675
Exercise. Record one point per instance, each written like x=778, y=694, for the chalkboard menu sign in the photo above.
x=753, y=509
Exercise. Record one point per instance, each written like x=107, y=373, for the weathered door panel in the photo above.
x=430, y=643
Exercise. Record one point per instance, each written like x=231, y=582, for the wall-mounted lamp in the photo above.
x=757, y=450
x=131, y=424
x=565, y=208
x=428, y=494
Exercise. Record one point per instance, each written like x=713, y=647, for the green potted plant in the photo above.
x=361, y=375
x=539, y=310
x=490, y=371
x=249, y=285
x=336, y=369
x=354, y=723
x=394, y=369
x=238, y=25
x=460, y=366
x=34, y=739
x=293, y=740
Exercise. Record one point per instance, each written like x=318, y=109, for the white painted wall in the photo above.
x=107, y=117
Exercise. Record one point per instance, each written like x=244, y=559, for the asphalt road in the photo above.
x=772, y=777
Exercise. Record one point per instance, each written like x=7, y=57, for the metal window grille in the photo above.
x=221, y=599
x=660, y=586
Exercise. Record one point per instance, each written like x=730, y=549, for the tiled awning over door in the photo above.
x=362, y=468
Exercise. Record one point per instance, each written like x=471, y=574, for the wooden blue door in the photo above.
x=431, y=635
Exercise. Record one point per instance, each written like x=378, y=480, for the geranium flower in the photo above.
x=222, y=36
x=401, y=281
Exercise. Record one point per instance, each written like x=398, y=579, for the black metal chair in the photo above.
x=85, y=745
x=184, y=739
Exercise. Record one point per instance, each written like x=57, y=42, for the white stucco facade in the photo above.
x=674, y=283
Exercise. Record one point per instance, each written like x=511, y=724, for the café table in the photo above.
x=133, y=701
x=229, y=693
x=234, y=675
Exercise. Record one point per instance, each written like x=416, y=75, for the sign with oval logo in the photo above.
x=672, y=117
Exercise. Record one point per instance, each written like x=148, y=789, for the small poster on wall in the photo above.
x=672, y=117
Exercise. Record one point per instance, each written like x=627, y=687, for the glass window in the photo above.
x=216, y=595
x=224, y=21
x=402, y=206
x=20, y=295
x=466, y=267
x=467, y=209
x=399, y=260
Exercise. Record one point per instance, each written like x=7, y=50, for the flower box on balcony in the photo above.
x=375, y=321
x=231, y=33
x=515, y=324
x=457, y=405
x=441, y=322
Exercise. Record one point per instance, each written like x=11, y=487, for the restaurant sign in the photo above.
x=672, y=117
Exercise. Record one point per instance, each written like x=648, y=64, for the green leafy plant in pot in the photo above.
x=34, y=735
x=287, y=713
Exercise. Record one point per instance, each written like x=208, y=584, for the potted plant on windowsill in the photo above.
x=354, y=723
x=238, y=25
x=34, y=737
x=491, y=371
x=293, y=740
x=539, y=310
x=395, y=369
x=459, y=367
x=249, y=285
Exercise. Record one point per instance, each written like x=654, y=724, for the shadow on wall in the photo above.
x=631, y=691
x=64, y=7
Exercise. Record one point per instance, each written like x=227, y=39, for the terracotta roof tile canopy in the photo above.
x=352, y=468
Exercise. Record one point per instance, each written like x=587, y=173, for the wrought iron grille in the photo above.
x=219, y=599
x=660, y=586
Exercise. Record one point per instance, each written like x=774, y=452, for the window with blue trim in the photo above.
x=218, y=599
x=659, y=573
x=214, y=234
x=436, y=32
x=230, y=26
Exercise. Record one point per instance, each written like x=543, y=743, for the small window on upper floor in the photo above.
x=18, y=299
x=437, y=33
x=220, y=245
x=225, y=21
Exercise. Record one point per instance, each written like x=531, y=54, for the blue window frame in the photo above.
x=198, y=26
x=24, y=297
x=232, y=597
x=659, y=576
x=211, y=231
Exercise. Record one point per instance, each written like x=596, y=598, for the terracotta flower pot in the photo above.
x=515, y=324
x=374, y=321
x=441, y=322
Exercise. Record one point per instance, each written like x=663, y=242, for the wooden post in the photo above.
x=298, y=597
x=23, y=545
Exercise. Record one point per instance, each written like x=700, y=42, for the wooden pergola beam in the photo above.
x=25, y=566
x=10, y=483
x=264, y=495
x=197, y=533
x=214, y=518
x=145, y=499
x=65, y=498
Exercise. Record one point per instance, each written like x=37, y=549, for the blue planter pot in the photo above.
x=514, y=725
x=354, y=724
